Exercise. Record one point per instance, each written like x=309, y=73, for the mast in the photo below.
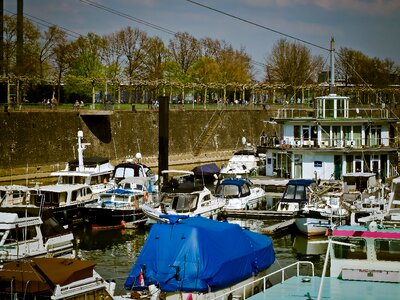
x=81, y=148
x=332, y=56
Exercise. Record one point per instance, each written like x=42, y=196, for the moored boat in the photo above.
x=198, y=258
x=244, y=163
x=119, y=207
x=27, y=232
x=53, y=278
x=94, y=171
x=240, y=193
x=364, y=264
x=14, y=195
x=296, y=195
x=181, y=195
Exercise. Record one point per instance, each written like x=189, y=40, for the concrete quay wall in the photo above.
x=41, y=142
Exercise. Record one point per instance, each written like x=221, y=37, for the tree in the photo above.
x=357, y=68
x=184, y=50
x=292, y=64
x=85, y=64
x=48, y=41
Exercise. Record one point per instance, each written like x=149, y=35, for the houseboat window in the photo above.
x=296, y=133
x=336, y=135
x=357, y=135
x=340, y=108
x=357, y=251
x=329, y=112
x=349, y=163
x=387, y=250
x=325, y=135
x=184, y=203
x=347, y=135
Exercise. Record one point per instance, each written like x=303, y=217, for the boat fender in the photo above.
x=146, y=196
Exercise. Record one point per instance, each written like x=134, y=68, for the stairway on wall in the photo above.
x=208, y=131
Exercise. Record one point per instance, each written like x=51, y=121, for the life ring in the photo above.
x=146, y=196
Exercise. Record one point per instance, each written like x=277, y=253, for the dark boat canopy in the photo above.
x=296, y=190
x=206, y=170
x=197, y=254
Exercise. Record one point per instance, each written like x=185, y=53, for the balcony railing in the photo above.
x=353, y=113
x=273, y=141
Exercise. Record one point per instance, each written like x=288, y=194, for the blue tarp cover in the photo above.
x=198, y=254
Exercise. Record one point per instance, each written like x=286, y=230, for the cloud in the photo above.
x=371, y=7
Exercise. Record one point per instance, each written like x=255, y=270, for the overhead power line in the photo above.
x=47, y=24
x=257, y=25
x=124, y=15
x=154, y=26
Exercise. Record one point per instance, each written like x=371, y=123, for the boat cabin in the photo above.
x=296, y=195
x=366, y=253
x=233, y=188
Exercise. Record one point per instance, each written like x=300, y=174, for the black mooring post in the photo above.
x=163, y=137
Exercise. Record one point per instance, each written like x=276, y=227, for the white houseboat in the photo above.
x=335, y=137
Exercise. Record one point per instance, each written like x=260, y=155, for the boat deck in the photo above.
x=305, y=287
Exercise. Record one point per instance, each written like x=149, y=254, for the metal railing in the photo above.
x=366, y=113
x=265, y=280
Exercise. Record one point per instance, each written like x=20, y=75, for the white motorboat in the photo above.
x=180, y=196
x=65, y=200
x=296, y=195
x=120, y=207
x=27, y=232
x=244, y=163
x=316, y=217
x=240, y=193
x=93, y=171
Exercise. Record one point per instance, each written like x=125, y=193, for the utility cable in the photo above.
x=257, y=25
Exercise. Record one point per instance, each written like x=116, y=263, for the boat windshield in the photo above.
x=295, y=193
x=227, y=191
x=181, y=203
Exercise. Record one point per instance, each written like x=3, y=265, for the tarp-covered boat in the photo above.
x=197, y=254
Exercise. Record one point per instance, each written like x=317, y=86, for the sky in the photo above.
x=369, y=26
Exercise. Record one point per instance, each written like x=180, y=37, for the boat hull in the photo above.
x=312, y=226
x=103, y=218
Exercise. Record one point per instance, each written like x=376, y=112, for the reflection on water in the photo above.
x=309, y=248
x=114, y=251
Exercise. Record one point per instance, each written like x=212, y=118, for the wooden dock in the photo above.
x=258, y=214
x=279, y=228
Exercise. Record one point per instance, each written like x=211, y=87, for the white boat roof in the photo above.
x=332, y=96
x=14, y=187
x=59, y=188
x=178, y=172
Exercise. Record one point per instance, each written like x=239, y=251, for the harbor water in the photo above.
x=115, y=250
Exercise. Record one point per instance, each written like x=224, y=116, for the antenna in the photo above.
x=332, y=56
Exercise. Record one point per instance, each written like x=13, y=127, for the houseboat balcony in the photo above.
x=357, y=113
x=330, y=144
